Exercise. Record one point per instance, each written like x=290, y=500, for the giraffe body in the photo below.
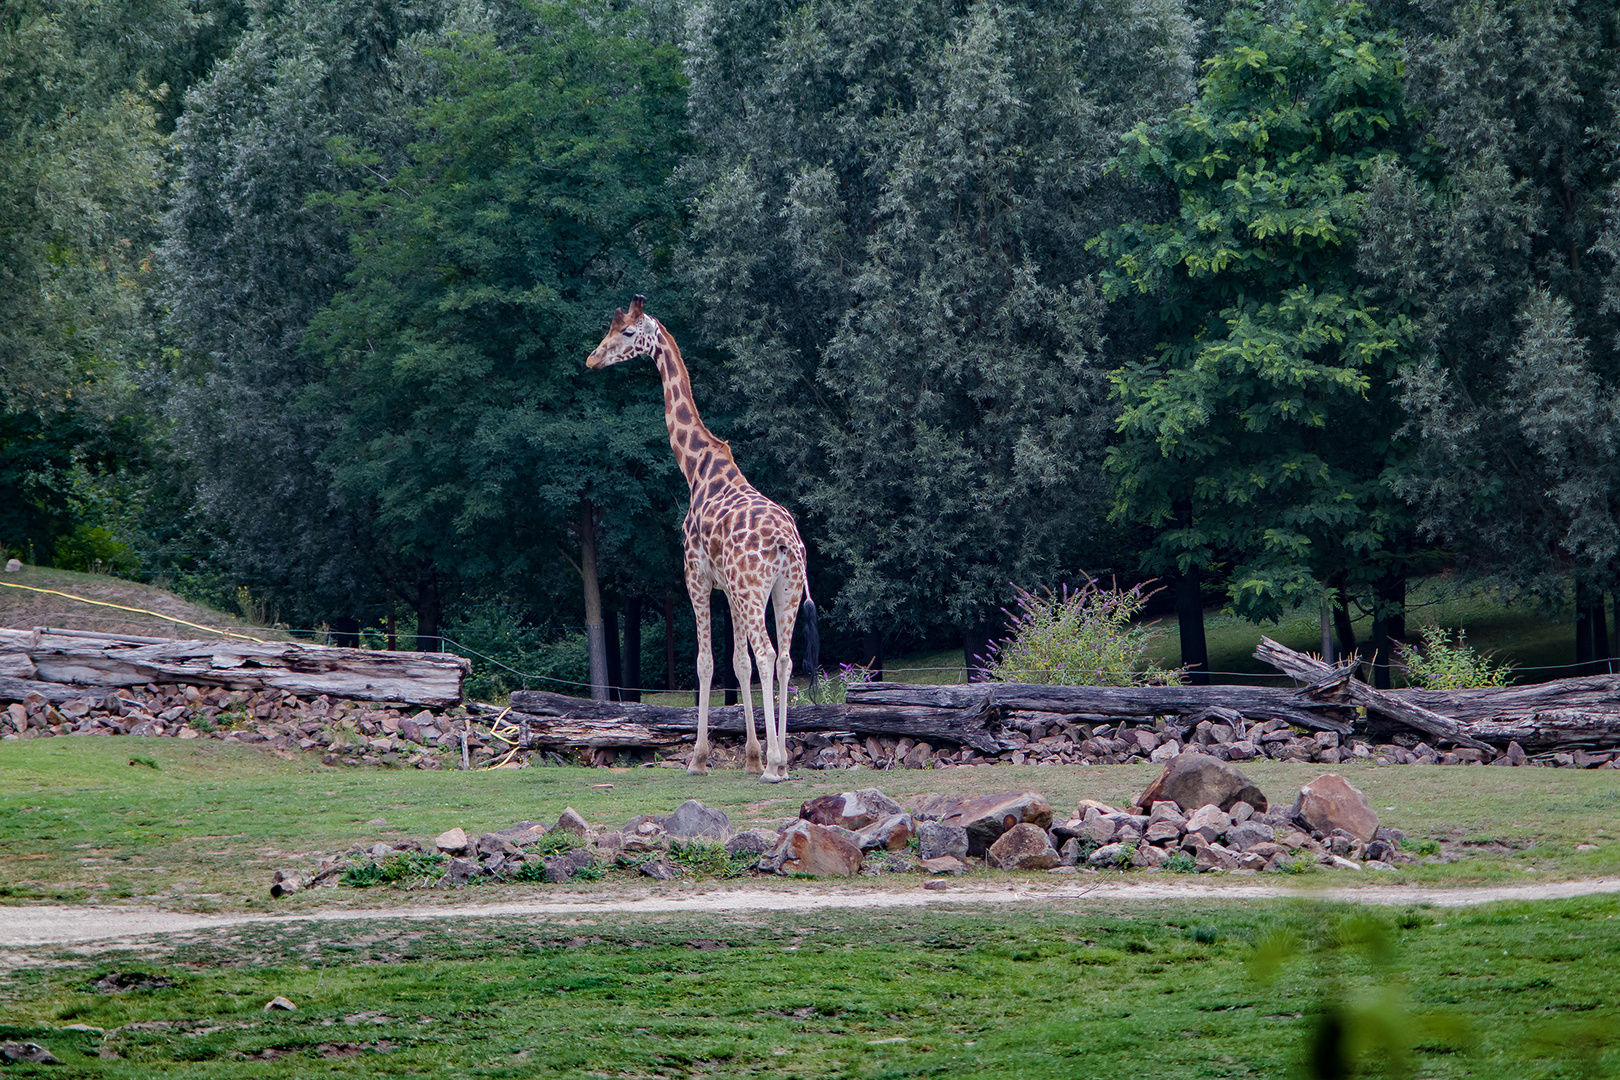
x=735, y=540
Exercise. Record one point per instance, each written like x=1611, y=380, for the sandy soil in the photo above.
x=36, y=926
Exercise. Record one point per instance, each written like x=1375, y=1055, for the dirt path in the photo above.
x=35, y=926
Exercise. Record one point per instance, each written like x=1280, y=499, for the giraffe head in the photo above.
x=631, y=334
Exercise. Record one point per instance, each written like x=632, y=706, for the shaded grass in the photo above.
x=23, y=610
x=209, y=825
x=1514, y=991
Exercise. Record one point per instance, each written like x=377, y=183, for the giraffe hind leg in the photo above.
x=745, y=681
x=701, y=612
x=785, y=603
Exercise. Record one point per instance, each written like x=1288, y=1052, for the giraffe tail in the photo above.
x=812, y=638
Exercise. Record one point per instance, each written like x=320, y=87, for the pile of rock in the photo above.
x=1200, y=814
x=343, y=732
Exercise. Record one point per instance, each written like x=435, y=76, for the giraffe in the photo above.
x=735, y=540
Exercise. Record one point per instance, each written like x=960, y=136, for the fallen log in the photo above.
x=1330, y=684
x=86, y=663
x=972, y=723
x=1124, y=702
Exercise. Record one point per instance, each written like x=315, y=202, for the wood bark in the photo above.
x=82, y=664
x=595, y=634
x=1254, y=702
x=1327, y=683
x=974, y=721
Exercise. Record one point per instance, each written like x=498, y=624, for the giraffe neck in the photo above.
x=701, y=455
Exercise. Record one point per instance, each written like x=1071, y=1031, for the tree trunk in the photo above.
x=632, y=650
x=872, y=654
x=428, y=609
x=595, y=637
x=1327, y=633
x=976, y=643
x=1190, y=617
x=1388, y=628
x=1345, y=628
x=1591, y=631
x=1600, y=635
x=669, y=639
x=346, y=632
x=615, y=666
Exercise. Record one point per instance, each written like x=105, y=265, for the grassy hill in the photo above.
x=24, y=608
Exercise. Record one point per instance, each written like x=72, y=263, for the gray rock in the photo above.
x=571, y=822
x=493, y=844
x=459, y=872
x=523, y=833
x=285, y=883
x=451, y=841
x=1331, y=802
x=945, y=864
x=1246, y=834
x=692, y=820
x=559, y=868
x=935, y=806
x=1107, y=855
x=1069, y=853
x=661, y=870
x=1193, y=780
x=279, y=1003
x=753, y=841
x=936, y=839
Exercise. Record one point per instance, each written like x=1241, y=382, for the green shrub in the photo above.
x=1421, y=847
x=1181, y=863
x=402, y=866
x=1439, y=663
x=557, y=843
x=709, y=859
x=1080, y=637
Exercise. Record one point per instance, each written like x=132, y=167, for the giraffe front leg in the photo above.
x=699, y=765
x=775, y=743
x=745, y=679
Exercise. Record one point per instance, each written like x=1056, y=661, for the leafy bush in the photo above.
x=834, y=689
x=1421, y=847
x=1181, y=863
x=401, y=866
x=557, y=843
x=1080, y=637
x=709, y=859
x=1439, y=663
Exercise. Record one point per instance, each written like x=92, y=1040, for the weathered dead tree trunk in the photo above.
x=972, y=721
x=80, y=663
x=1330, y=684
x=1122, y=702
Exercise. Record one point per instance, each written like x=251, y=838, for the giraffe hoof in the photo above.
x=697, y=770
x=754, y=765
x=772, y=778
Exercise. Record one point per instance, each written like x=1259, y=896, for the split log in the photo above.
x=1588, y=693
x=1119, y=702
x=1328, y=683
x=972, y=723
x=86, y=663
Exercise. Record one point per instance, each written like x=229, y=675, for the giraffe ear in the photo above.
x=636, y=304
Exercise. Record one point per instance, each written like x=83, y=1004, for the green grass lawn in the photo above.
x=92, y=820
x=1512, y=991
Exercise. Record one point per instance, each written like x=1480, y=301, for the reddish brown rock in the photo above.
x=1194, y=780
x=988, y=816
x=815, y=850
x=1022, y=847
x=1330, y=802
x=853, y=810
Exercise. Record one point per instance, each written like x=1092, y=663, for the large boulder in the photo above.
x=890, y=834
x=1022, y=847
x=815, y=850
x=988, y=816
x=853, y=810
x=1194, y=780
x=1331, y=802
x=693, y=820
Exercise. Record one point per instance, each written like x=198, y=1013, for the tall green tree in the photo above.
x=532, y=201
x=889, y=246
x=248, y=260
x=1497, y=234
x=1259, y=436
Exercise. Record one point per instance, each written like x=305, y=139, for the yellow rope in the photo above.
x=136, y=610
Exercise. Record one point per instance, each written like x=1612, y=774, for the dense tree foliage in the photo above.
x=988, y=295
x=890, y=244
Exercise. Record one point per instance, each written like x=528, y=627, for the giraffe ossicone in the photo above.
x=735, y=540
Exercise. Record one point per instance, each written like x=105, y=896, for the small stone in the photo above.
x=560, y=868
x=987, y=817
x=492, y=844
x=32, y=1053
x=752, y=841
x=1069, y=853
x=459, y=871
x=1107, y=855
x=570, y=821
x=1209, y=821
x=279, y=1002
x=1161, y=831
x=285, y=883
x=451, y=841
x=661, y=870
x=1241, y=811
x=1147, y=857
x=1246, y=834
x=523, y=833
x=945, y=864
x=936, y=885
